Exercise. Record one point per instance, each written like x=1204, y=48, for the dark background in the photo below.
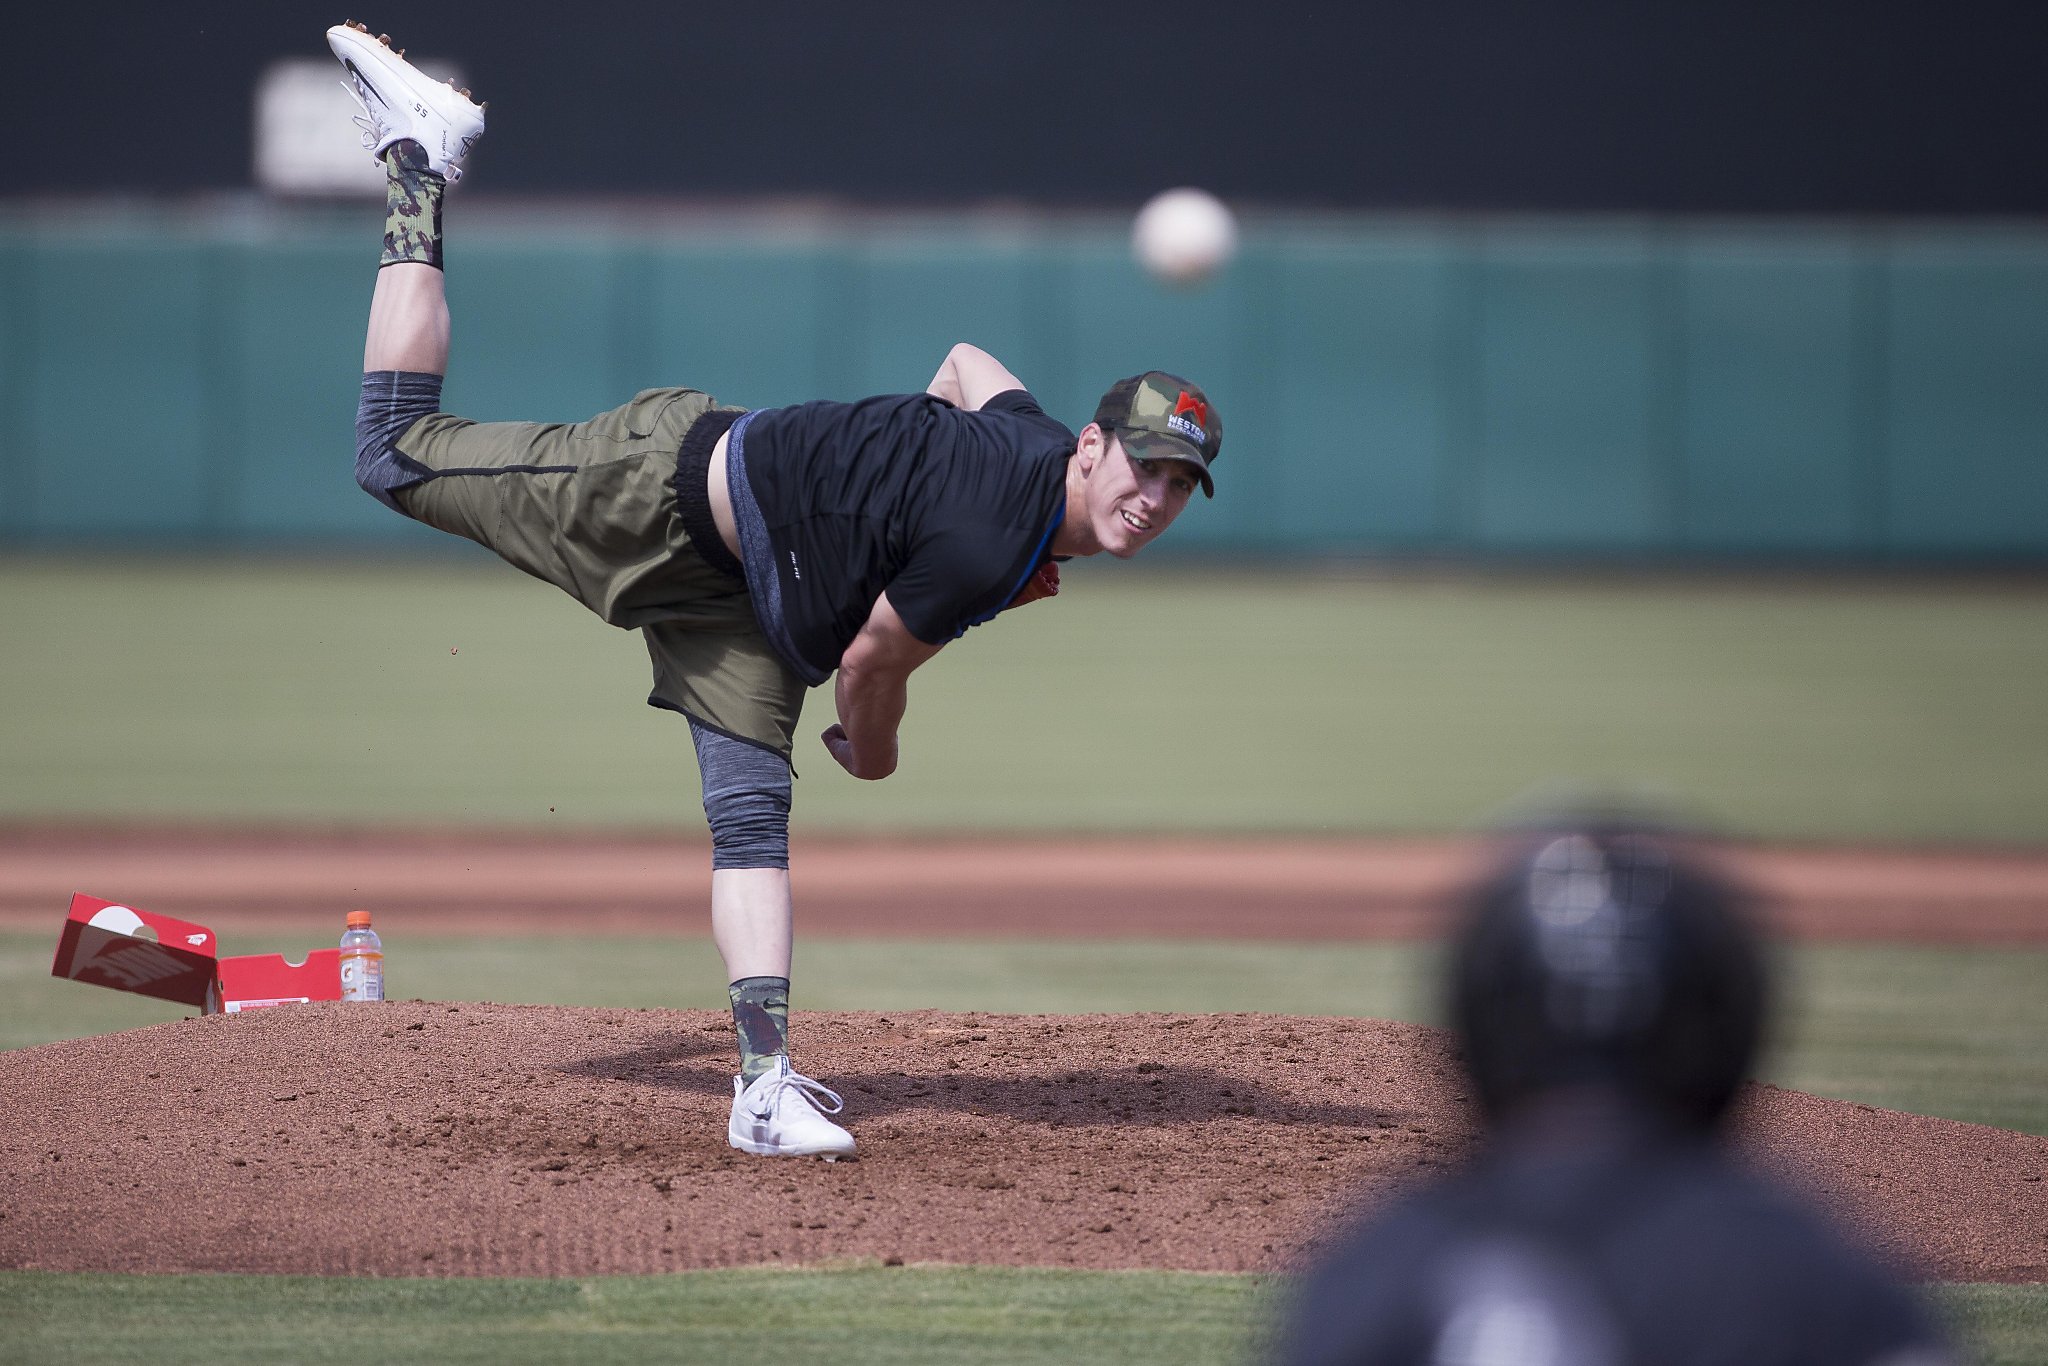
x=1879, y=107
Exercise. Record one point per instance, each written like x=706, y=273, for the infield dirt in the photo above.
x=1242, y=887
x=416, y=1138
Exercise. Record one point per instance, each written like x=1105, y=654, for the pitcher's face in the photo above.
x=1131, y=500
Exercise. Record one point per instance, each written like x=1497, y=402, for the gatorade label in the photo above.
x=362, y=977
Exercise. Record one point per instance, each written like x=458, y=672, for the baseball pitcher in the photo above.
x=759, y=553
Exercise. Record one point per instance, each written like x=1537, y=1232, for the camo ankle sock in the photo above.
x=412, y=213
x=760, y=1016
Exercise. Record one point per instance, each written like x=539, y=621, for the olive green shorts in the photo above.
x=591, y=508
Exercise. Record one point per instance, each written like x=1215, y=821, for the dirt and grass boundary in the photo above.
x=1053, y=887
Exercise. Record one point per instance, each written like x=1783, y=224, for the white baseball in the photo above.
x=1185, y=235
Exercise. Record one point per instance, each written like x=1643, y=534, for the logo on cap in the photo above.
x=1195, y=428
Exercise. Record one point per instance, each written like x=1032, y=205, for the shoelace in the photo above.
x=815, y=1091
x=363, y=120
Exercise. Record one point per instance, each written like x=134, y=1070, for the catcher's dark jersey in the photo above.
x=1615, y=1253
x=948, y=510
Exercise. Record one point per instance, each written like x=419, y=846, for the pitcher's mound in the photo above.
x=423, y=1139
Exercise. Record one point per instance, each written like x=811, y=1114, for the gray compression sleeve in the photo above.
x=746, y=799
x=392, y=401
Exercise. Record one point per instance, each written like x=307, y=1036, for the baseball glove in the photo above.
x=1043, y=583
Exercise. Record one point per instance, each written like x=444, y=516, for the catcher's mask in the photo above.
x=1603, y=957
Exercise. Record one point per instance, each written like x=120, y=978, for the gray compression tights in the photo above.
x=746, y=799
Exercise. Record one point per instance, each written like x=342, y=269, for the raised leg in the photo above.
x=408, y=321
x=420, y=131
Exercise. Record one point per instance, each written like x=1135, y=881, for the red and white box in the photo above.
x=110, y=944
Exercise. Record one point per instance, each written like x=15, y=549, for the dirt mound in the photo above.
x=427, y=1139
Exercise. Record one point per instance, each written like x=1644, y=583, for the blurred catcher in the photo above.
x=1610, y=998
x=759, y=553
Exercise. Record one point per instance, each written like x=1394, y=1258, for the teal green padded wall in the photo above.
x=1777, y=388
x=289, y=437
x=1645, y=389
x=1572, y=383
x=125, y=406
x=917, y=295
x=1966, y=412
x=1369, y=395
x=536, y=329
x=15, y=321
x=751, y=324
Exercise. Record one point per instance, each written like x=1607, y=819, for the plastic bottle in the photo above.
x=362, y=960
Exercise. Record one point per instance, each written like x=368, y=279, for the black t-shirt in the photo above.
x=1611, y=1255
x=948, y=510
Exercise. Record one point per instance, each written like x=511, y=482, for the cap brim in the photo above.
x=1159, y=446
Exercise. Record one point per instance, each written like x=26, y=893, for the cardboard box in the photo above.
x=109, y=944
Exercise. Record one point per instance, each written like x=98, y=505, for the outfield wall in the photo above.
x=1388, y=386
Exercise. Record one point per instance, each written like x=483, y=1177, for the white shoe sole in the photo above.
x=771, y=1150
x=781, y=1149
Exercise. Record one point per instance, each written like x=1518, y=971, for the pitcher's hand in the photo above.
x=841, y=746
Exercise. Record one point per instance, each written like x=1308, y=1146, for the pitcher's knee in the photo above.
x=746, y=800
x=392, y=401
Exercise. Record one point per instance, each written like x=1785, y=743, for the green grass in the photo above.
x=852, y=1315
x=458, y=691
x=1955, y=1032
x=1940, y=1031
x=2001, y=1325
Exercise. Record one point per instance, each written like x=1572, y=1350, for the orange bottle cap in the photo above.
x=358, y=919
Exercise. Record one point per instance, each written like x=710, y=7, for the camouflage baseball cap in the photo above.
x=1163, y=417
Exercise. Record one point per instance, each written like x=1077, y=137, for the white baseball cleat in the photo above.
x=779, y=1115
x=401, y=104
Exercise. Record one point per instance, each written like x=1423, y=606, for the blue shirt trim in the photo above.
x=1059, y=515
x=764, y=584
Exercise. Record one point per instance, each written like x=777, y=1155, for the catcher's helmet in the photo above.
x=1603, y=957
